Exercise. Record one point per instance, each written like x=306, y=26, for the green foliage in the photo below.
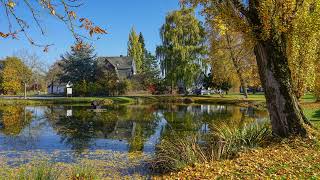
x=79, y=64
x=13, y=75
x=55, y=72
x=231, y=139
x=182, y=49
x=81, y=88
x=143, y=44
x=220, y=83
x=175, y=155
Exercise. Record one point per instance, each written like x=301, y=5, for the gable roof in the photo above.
x=122, y=62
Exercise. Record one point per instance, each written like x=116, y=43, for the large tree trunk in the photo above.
x=285, y=112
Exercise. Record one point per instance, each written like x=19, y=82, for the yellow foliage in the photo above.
x=13, y=75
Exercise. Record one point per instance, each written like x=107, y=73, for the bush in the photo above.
x=122, y=87
x=224, y=142
x=175, y=153
x=161, y=88
x=230, y=139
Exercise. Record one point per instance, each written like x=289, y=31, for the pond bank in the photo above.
x=311, y=108
x=39, y=100
x=288, y=159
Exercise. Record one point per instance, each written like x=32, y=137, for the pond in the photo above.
x=70, y=134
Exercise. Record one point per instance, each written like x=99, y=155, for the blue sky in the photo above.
x=117, y=16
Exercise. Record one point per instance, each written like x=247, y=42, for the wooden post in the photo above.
x=25, y=90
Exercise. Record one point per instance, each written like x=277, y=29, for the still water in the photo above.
x=68, y=133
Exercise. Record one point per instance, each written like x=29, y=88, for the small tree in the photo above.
x=14, y=76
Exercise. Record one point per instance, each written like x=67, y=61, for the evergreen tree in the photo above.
x=79, y=65
x=135, y=50
x=143, y=45
x=182, y=48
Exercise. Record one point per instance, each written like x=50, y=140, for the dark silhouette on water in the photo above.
x=95, y=105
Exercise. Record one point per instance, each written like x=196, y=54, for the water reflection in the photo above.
x=118, y=128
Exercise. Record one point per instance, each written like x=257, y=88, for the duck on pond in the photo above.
x=95, y=105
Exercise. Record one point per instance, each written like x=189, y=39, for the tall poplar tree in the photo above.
x=182, y=49
x=135, y=50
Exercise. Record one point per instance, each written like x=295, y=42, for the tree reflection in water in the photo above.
x=134, y=127
x=13, y=119
x=125, y=123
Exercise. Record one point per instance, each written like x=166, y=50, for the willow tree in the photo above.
x=182, y=49
x=135, y=49
x=269, y=24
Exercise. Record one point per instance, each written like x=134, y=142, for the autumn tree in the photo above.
x=54, y=73
x=269, y=24
x=14, y=119
x=182, y=49
x=239, y=52
x=135, y=49
x=37, y=67
x=14, y=75
x=317, y=76
x=223, y=73
x=303, y=45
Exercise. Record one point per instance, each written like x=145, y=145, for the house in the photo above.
x=124, y=66
x=58, y=87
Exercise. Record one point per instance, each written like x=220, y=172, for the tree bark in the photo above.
x=235, y=62
x=285, y=112
x=25, y=90
x=244, y=88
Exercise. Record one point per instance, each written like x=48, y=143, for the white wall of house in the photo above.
x=57, y=89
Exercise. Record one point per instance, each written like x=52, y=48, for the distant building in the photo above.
x=124, y=66
x=58, y=88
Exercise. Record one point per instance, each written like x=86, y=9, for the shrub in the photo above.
x=123, y=87
x=230, y=140
x=175, y=153
x=224, y=142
